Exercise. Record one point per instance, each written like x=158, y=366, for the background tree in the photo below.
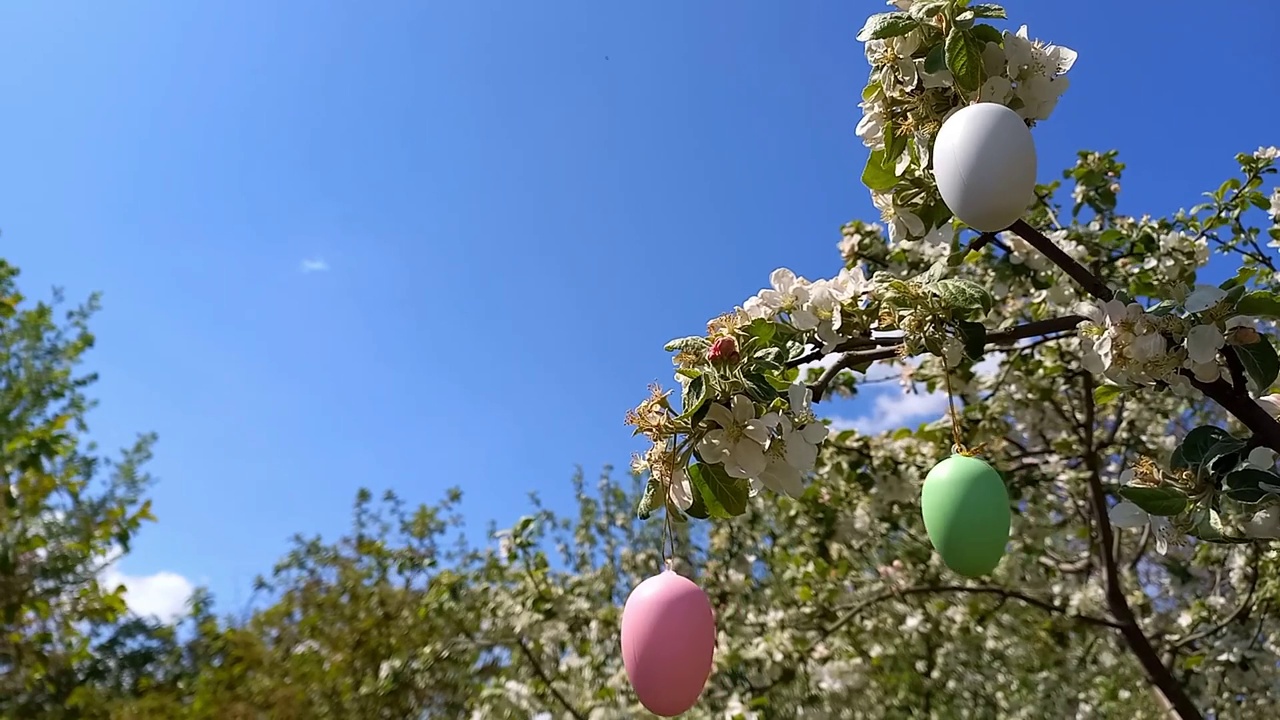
x=1126, y=401
x=65, y=511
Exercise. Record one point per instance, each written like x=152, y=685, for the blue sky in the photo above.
x=508, y=207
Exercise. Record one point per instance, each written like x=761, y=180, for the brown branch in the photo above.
x=1240, y=405
x=1001, y=592
x=1087, y=280
x=1152, y=665
x=853, y=358
x=542, y=675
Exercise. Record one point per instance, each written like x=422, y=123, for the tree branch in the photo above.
x=542, y=675
x=1147, y=656
x=1001, y=592
x=1240, y=405
x=852, y=358
x=1087, y=280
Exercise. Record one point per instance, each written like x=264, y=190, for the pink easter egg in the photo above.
x=668, y=642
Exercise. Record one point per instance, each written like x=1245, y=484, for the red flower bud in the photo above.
x=723, y=350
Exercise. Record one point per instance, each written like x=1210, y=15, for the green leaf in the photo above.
x=988, y=10
x=769, y=358
x=926, y=9
x=964, y=59
x=1208, y=527
x=697, y=509
x=886, y=25
x=693, y=344
x=780, y=383
x=652, y=490
x=1104, y=394
x=1196, y=446
x=964, y=295
x=759, y=389
x=1246, y=485
x=1163, y=501
x=974, y=336
x=895, y=145
x=936, y=61
x=875, y=175
x=724, y=496
x=987, y=34
x=1240, y=279
x=1260, y=303
x=762, y=329
x=1260, y=362
x=694, y=396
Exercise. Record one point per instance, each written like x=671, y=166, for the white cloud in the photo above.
x=163, y=595
x=882, y=370
x=891, y=410
x=312, y=265
x=891, y=407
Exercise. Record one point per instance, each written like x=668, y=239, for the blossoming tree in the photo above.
x=1111, y=387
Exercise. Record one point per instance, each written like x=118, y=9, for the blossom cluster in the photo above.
x=1132, y=345
x=917, y=82
x=744, y=414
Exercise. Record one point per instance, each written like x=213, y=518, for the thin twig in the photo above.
x=542, y=675
x=1003, y=592
x=852, y=358
x=1245, y=605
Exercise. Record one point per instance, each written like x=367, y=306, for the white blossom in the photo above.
x=740, y=439
x=1203, y=298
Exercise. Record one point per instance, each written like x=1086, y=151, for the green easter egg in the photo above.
x=966, y=513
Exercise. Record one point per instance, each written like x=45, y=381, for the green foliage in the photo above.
x=1260, y=362
x=64, y=513
x=964, y=58
x=878, y=173
x=1161, y=501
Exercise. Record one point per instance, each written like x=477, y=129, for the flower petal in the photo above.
x=799, y=454
x=1127, y=515
x=714, y=446
x=756, y=430
x=746, y=460
x=720, y=415
x=814, y=433
x=1263, y=458
x=743, y=409
x=782, y=479
x=680, y=491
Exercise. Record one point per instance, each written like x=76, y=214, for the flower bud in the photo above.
x=723, y=350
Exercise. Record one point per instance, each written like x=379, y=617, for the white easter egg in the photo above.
x=984, y=162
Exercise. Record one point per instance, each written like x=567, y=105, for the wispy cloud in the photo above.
x=313, y=265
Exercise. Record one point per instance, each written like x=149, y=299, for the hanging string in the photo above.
x=668, y=540
x=958, y=447
x=668, y=535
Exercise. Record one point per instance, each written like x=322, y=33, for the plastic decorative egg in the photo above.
x=966, y=514
x=668, y=642
x=984, y=162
